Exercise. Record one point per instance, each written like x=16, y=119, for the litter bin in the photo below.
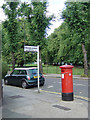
x=67, y=82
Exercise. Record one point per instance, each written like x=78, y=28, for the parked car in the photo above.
x=24, y=77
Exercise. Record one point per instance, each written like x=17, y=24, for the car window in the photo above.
x=23, y=72
x=15, y=72
x=33, y=72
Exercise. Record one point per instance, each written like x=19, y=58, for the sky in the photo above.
x=54, y=7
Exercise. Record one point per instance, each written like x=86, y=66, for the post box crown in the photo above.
x=66, y=66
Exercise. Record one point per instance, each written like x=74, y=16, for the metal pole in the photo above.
x=38, y=66
x=1, y=86
x=24, y=42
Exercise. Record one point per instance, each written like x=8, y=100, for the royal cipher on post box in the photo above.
x=67, y=82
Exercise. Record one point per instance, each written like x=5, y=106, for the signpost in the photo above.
x=31, y=48
x=34, y=49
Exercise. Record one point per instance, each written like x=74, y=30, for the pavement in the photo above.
x=0, y=109
x=28, y=103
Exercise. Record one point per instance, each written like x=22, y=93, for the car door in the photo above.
x=21, y=76
x=14, y=77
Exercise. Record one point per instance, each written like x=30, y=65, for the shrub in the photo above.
x=5, y=68
x=84, y=75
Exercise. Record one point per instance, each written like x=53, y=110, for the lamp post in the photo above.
x=24, y=42
x=1, y=86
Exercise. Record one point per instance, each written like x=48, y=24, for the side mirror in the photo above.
x=10, y=74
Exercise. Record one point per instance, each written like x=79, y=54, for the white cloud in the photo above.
x=55, y=7
x=2, y=15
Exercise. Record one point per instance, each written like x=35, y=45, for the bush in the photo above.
x=5, y=68
x=84, y=75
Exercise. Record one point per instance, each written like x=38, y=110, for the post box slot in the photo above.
x=62, y=70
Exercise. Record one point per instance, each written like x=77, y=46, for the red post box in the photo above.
x=67, y=82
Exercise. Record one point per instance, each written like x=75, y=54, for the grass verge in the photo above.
x=56, y=70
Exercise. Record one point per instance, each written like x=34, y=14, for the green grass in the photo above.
x=78, y=71
x=56, y=69
x=51, y=69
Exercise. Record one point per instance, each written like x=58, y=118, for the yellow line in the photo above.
x=85, y=98
x=51, y=92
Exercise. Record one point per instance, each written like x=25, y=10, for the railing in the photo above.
x=55, y=69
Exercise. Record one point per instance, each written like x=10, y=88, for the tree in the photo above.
x=10, y=9
x=53, y=47
x=76, y=16
x=37, y=22
x=62, y=46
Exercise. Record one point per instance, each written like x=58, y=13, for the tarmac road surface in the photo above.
x=80, y=87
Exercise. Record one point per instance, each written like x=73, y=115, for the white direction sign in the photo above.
x=34, y=49
x=30, y=49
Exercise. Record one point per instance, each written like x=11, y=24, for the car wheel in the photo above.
x=24, y=85
x=42, y=84
x=6, y=82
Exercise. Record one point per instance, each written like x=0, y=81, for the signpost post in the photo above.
x=34, y=49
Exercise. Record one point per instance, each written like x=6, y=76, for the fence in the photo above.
x=46, y=68
x=55, y=69
x=51, y=69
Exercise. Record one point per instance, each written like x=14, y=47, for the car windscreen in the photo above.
x=33, y=72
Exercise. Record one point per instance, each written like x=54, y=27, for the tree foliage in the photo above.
x=76, y=16
x=26, y=25
x=62, y=46
x=37, y=21
x=10, y=9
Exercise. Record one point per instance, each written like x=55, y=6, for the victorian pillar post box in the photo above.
x=67, y=82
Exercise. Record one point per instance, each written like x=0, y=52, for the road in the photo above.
x=80, y=87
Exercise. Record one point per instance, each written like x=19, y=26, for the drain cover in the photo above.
x=16, y=96
x=61, y=107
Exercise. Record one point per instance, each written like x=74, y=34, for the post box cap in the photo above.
x=66, y=66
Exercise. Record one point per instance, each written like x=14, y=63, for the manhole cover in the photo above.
x=16, y=96
x=61, y=107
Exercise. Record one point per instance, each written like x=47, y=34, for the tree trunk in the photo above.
x=13, y=61
x=85, y=59
x=40, y=62
x=1, y=92
x=21, y=63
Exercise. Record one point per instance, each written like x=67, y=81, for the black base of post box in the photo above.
x=67, y=96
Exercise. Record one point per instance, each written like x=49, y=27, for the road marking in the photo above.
x=75, y=84
x=50, y=86
x=84, y=98
x=50, y=92
x=79, y=84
